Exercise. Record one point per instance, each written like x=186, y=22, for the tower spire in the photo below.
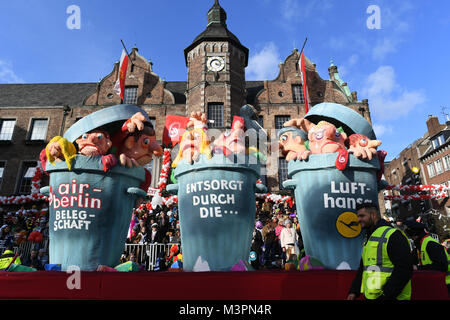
x=217, y=14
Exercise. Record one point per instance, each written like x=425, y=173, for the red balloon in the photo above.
x=35, y=236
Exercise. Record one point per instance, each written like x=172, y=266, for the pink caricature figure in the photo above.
x=194, y=141
x=325, y=138
x=231, y=141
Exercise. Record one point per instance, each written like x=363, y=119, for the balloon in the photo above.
x=157, y=201
x=35, y=236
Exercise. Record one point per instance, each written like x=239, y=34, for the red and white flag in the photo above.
x=303, y=77
x=119, y=87
x=174, y=129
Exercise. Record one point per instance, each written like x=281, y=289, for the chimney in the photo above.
x=433, y=125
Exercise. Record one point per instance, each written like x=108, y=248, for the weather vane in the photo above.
x=443, y=111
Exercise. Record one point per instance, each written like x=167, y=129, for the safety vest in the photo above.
x=424, y=258
x=6, y=259
x=377, y=265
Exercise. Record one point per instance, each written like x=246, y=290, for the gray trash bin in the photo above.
x=216, y=200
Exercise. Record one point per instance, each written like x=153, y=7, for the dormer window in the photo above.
x=438, y=141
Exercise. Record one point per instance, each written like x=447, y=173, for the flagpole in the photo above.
x=305, y=87
x=123, y=44
x=304, y=43
x=126, y=51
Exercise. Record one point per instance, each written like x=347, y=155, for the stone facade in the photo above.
x=64, y=104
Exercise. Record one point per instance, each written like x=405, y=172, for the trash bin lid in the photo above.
x=111, y=117
x=340, y=115
x=83, y=164
x=219, y=162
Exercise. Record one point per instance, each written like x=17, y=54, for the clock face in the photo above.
x=215, y=63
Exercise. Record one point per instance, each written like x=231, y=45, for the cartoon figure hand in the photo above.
x=128, y=162
x=196, y=156
x=300, y=123
x=363, y=152
x=136, y=121
x=298, y=155
x=108, y=162
x=362, y=146
x=55, y=151
x=292, y=156
x=304, y=155
x=198, y=119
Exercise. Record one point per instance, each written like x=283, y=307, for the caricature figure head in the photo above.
x=94, y=143
x=291, y=140
x=194, y=141
x=325, y=138
x=233, y=140
x=141, y=145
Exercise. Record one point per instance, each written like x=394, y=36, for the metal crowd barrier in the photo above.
x=25, y=247
x=435, y=236
x=147, y=254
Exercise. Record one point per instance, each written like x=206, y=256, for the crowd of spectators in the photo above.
x=277, y=238
x=16, y=227
x=156, y=226
x=160, y=225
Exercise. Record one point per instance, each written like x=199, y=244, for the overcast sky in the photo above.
x=400, y=62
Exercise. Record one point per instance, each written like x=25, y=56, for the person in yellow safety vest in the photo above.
x=386, y=267
x=7, y=257
x=430, y=254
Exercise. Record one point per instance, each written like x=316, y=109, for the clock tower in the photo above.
x=216, y=62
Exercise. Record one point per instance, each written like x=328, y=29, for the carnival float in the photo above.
x=97, y=176
x=91, y=195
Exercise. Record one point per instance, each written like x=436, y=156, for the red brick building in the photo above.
x=435, y=159
x=31, y=114
x=431, y=155
x=400, y=171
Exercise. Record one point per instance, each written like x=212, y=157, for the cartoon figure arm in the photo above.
x=300, y=123
x=136, y=121
x=197, y=120
x=127, y=161
x=362, y=146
